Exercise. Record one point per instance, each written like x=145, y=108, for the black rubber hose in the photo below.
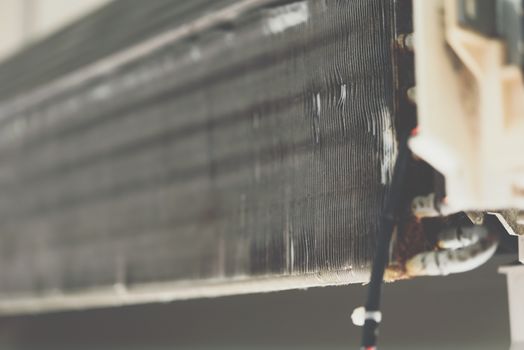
x=392, y=209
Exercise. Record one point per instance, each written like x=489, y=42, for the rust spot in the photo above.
x=413, y=236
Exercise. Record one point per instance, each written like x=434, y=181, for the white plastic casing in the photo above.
x=470, y=111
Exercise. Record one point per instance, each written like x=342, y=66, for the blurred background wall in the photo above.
x=23, y=21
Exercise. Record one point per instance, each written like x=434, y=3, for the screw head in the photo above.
x=412, y=94
x=406, y=41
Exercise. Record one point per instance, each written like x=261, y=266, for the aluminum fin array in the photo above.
x=160, y=150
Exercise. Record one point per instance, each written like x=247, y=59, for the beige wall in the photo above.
x=22, y=21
